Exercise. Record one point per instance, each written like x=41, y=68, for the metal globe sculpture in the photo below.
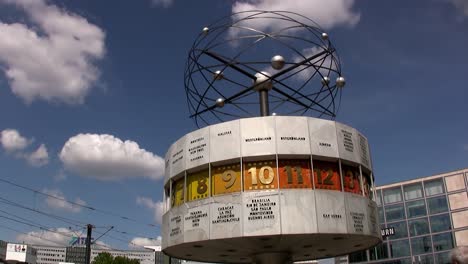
x=260, y=183
x=233, y=51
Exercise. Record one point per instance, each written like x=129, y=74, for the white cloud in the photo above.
x=327, y=14
x=139, y=242
x=53, y=59
x=61, y=236
x=106, y=157
x=12, y=140
x=163, y=3
x=461, y=5
x=54, y=237
x=38, y=158
x=60, y=203
x=14, y=143
x=323, y=62
x=157, y=207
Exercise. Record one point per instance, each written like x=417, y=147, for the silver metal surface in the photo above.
x=277, y=62
x=264, y=105
x=218, y=75
x=220, y=102
x=262, y=81
x=340, y=82
x=324, y=36
x=325, y=80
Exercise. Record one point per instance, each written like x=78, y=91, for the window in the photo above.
x=421, y=245
x=413, y=191
x=395, y=212
x=378, y=199
x=416, y=208
x=360, y=256
x=401, y=230
x=443, y=258
x=437, y=204
x=442, y=241
x=379, y=252
x=392, y=195
x=418, y=227
x=440, y=223
x=381, y=215
x=400, y=248
x=434, y=187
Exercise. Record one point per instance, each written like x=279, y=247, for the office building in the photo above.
x=3, y=249
x=20, y=253
x=50, y=255
x=421, y=220
x=144, y=256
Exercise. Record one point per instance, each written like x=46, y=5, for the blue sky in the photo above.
x=106, y=78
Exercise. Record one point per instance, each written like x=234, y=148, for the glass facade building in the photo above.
x=428, y=217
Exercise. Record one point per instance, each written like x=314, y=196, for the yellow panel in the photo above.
x=177, y=193
x=197, y=185
x=226, y=179
x=260, y=175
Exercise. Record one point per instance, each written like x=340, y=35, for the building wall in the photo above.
x=145, y=257
x=76, y=255
x=20, y=253
x=50, y=255
x=429, y=216
x=3, y=249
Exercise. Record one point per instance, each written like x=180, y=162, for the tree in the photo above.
x=107, y=258
x=103, y=258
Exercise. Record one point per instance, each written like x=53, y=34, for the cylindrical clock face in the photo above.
x=260, y=175
x=351, y=179
x=327, y=175
x=198, y=185
x=305, y=179
x=295, y=173
x=177, y=192
x=226, y=179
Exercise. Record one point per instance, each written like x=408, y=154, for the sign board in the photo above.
x=261, y=214
x=258, y=136
x=225, y=141
x=292, y=135
x=386, y=232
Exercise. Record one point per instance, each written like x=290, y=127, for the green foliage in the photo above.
x=106, y=258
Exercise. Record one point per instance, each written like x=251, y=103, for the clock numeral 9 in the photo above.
x=229, y=177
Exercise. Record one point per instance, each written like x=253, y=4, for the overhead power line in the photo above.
x=21, y=232
x=91, y=208
x=60, y=218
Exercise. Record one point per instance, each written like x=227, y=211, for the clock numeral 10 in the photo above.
x=260, y=175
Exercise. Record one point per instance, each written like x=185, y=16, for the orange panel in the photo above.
x=260, y=175
x=294, y=174
x=351, y=180
x=326, y=175
x=177, y=193
x=226, y=179
x=197, y=185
